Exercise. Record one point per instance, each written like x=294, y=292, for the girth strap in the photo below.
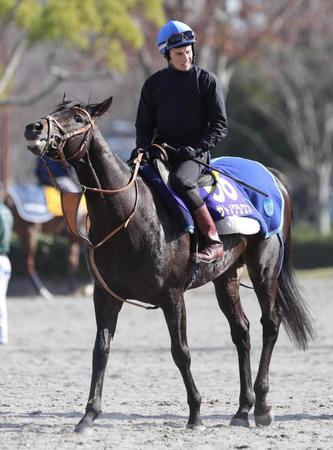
x=105, y=286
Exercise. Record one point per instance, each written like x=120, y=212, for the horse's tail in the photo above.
x=296, y=317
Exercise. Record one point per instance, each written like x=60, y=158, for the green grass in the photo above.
x=322, y=272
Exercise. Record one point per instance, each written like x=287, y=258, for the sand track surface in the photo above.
x=46, y=368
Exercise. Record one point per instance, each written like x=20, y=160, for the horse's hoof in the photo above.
x=265, y=419
x=46, y=294
x=87, y=290
x=196, y=426
x=83, y=429
x=238, y=422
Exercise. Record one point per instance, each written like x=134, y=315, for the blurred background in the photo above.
x=273, y=57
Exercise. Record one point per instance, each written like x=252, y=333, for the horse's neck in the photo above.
x=106, y=170
x=103, y=169
x=111, y=171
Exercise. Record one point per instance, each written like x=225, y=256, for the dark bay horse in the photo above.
x=136, y=251
x=29, y=233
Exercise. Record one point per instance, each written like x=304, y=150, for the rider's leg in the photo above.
x=213, y=248
x=184, y=182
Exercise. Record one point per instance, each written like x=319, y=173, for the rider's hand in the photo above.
x=186, y=153
x=153, y=152
x=134, y=154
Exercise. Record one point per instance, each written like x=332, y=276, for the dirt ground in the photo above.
x=45, y=377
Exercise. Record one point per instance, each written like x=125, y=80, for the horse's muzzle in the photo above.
x=34, y=130
x=36, y=137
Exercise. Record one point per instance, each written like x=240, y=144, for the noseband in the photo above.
x=57, y=142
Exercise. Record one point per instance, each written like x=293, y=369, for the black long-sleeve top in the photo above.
x=182, y=108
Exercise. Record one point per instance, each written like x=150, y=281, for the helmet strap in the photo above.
x=193, y=53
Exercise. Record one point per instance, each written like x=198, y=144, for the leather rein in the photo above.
x=70, y=201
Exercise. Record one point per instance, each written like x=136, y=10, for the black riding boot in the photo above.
x=213, y=246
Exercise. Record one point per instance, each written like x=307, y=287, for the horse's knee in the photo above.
x=181, y=356
x=102, y=343
x=241, y=336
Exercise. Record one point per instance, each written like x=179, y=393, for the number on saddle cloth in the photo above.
x=232, y=199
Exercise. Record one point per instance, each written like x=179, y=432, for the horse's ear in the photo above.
x=99, y=109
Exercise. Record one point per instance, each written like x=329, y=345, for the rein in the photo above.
x=70, y=201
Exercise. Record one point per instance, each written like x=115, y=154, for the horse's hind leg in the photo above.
x=106, y=311
x=175, y=315
x=227, y=292
x=74, y=260
x=263, y=273
x=29, y=235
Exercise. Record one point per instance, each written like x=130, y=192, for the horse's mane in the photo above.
x=67, y=104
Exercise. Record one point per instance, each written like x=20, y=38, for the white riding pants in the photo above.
x=5, y=272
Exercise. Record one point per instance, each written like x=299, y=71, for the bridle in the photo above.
x=56, y=143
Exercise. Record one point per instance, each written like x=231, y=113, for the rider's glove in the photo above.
x=186, y=153
x=153, y=152
x=135, y=153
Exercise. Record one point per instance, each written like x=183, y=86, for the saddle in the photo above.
x=235, y=208
x=31, y=203
x=37, y=204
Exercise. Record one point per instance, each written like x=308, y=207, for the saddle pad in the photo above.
x=227, y=198
x=176, y=207
x=30, y=203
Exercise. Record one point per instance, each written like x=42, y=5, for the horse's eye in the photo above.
x=78, y=119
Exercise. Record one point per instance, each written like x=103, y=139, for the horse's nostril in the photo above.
x=38, y=126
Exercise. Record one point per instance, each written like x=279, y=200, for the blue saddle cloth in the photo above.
x=229, y=198
x=31, y=203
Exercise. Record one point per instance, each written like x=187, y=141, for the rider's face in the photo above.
x=181, y=58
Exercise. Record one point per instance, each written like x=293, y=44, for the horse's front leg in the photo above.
x=227, y=292
x=106, y=311
x=175, y=315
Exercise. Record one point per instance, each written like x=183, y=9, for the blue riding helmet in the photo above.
x=174, y=34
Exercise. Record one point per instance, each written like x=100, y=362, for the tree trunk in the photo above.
x=324, y=172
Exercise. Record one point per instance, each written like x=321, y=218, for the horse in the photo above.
x=138, y=254
x=29, y=232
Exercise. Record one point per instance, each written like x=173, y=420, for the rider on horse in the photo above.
x=183, y=106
